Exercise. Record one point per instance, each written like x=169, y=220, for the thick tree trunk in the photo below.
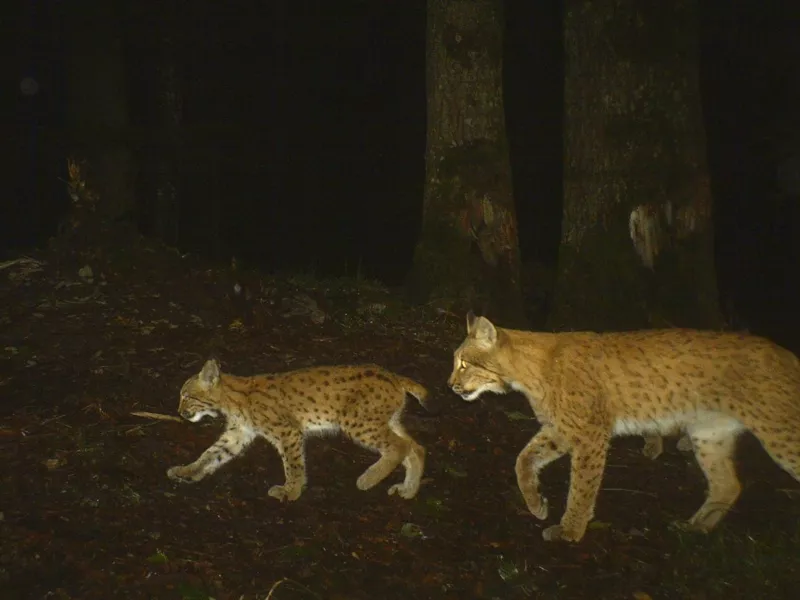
x=157, y=46
x=636, y=246
x=97, y=106
x=160, y=89
x=468, y=251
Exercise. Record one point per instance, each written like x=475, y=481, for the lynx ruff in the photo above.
x=587, y=387
x=363, y=402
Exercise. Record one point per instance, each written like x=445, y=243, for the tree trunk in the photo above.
x=160, y=96
x=97, y=105
x=636, y=244
x=166, y=167
x=468, y=253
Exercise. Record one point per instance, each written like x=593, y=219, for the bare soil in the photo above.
x=87, y=512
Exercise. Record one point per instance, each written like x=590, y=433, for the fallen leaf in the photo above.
x=452, y=471
x=53, y=463
x=159, y=558
x=410, y=530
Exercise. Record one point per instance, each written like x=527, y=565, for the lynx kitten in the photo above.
x=363, y=402
x=587, y=387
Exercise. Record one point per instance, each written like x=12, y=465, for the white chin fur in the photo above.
x=471, y=396
x=199, y=415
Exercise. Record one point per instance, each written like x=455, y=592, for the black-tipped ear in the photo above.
x=470, y=321
x=209, y=376
x=484, y=331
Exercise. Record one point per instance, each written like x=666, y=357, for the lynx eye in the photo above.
x=462, y=365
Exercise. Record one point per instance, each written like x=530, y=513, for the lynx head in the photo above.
x=475, y=369
x=200, y=393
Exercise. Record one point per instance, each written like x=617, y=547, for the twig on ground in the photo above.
x=158, y=416
x=51, y=419
x=24, y=260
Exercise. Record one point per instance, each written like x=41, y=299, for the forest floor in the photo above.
x=87, y=511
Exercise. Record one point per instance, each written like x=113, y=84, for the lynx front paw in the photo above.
x=703, y=522
x=367, y=481
x=537, y=504
x=184, y=474
x=285, y=493
x=404, y=491
x=683, y=527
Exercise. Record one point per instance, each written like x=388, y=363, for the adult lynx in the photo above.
x=363, y=402
x=587, y=387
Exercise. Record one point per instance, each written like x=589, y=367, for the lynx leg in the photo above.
x=545, y=447
x=290, y=446
x=394, y=450
x=588, y=460
x=784, y=447
x=414, y=464
x=231, y=443
x=653, y=446
x=714, y=446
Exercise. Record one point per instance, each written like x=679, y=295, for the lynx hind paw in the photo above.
x=284, y=493
x=406, y=492
x=653, y=448
x=552, y=533
x=181, y=474
x=687, y=527
x=557, y=533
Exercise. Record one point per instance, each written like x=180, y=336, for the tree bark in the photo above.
x=160, y=89
x=468, y=252
x=637, y=241
x=169, y=102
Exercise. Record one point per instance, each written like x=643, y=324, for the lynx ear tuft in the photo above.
x=209, y=376
x=483, y=331
x=470, y=321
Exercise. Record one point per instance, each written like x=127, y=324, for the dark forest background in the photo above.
x=303, y=133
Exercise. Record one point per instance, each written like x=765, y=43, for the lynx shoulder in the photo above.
x=363, y=402
x=588, y=387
